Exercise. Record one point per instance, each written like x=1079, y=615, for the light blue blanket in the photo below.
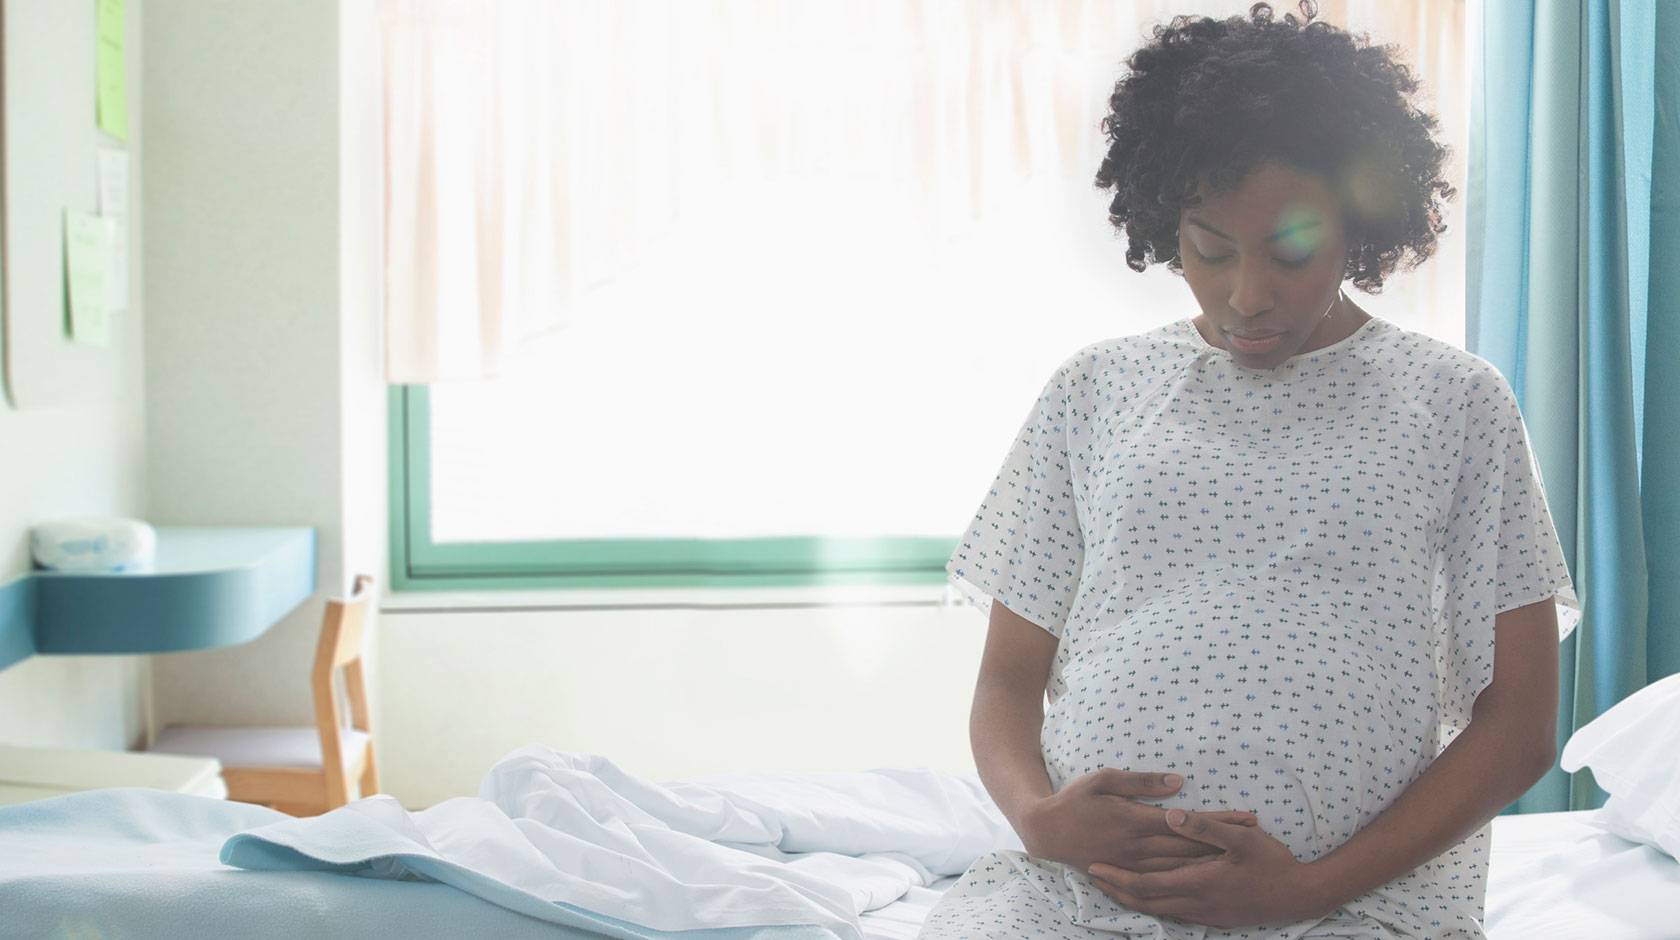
x=132, y=863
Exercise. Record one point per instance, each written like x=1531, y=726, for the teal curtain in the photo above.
x=1573, y=292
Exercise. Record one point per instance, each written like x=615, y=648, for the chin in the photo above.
x=1266, y=360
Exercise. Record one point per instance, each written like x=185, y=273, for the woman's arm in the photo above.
x=1007, y=716
x=1508, y=745
x=1097, y=816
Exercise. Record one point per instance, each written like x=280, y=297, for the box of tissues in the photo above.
x=94, y=545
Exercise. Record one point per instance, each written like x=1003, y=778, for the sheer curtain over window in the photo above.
x=735, y=269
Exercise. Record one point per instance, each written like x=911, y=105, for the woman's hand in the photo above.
x=1096, y=818
x=1254, y=879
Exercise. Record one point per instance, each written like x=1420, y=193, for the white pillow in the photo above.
x=1634, y=752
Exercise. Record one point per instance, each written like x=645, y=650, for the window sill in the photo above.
x=430, y=602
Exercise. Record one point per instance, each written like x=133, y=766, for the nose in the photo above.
x=1251, y=289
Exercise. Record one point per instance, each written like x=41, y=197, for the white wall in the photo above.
x=362, y=395
x=670, y=693
x=69, y=460
x=252, y=324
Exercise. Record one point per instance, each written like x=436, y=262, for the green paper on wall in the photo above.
x=113, y=75
x=88, y=244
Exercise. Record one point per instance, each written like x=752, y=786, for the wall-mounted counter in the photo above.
x=208, y=587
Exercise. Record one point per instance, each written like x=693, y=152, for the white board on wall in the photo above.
x=52, y=144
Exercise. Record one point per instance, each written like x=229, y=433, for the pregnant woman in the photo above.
x=1284, y=571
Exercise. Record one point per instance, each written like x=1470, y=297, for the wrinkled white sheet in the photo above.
x=552, y=834
x=1565, y=876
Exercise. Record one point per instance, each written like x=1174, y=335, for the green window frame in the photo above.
x=420, y=563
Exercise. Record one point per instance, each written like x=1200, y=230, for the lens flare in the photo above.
x=1368, y=187
x=1301, y=231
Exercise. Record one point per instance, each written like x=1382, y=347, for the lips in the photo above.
x=1255, y=347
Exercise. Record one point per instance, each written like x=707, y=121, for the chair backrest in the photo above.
x=340, y=646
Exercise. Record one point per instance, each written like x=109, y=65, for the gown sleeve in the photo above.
x=1024, y=546
x=1498, y=548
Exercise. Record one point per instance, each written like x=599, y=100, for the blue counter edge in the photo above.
x=141, y=612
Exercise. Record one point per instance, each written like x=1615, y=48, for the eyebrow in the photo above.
x=1300, y=226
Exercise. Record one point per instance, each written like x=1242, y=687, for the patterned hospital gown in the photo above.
x=1278, y=583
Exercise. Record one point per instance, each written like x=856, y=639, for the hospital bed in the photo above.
x=136, y=863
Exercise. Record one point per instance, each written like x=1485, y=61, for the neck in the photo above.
x=1342, y=320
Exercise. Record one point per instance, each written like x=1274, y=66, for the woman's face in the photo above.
x=1265, y=260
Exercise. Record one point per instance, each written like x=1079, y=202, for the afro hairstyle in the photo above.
x=1207, y=101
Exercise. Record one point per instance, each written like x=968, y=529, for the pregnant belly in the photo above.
x=1312, y=719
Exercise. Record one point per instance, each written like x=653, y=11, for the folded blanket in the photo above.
x=574, y=839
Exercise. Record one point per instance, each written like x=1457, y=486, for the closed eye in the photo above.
x=1294, y=263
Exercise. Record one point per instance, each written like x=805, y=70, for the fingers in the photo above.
x=1173, y=846
x=1205, y=828
x=1239, y=817
x=1143, y=893
x=1134, y=784
x=1168, y=863
x=1146, y=821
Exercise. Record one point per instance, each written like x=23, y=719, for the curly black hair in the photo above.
x=1208, y=100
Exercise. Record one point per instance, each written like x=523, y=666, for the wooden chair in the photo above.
x=308, y=770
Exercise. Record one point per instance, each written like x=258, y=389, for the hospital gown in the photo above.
x=1279, y=583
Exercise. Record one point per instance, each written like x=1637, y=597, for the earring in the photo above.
x=1341, y=295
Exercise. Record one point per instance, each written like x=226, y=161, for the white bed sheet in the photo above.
x=1553, y=876
x=902, y=919
x=1564, y=876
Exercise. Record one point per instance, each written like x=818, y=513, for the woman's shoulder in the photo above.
x=1443, y=374
x=1130, y=358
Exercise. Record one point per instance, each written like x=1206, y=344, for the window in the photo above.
x=840, y=248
